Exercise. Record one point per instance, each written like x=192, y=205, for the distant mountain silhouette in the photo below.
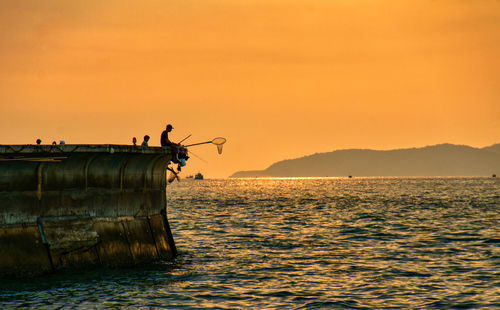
x=436, y=160
x=493, y=148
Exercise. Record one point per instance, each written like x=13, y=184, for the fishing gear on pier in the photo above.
x=219, y=142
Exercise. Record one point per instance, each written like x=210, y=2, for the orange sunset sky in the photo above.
x=279, y=79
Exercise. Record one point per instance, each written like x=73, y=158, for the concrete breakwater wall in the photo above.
x=82, y=205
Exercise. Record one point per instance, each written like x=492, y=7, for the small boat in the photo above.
x=198, y=176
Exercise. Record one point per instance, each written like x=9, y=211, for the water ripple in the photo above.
x=366, y=243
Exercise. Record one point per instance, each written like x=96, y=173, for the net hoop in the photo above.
x=219, y=141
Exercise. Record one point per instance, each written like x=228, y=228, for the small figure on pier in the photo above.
x=146, y=140
x=38, y=141
x=134, y=141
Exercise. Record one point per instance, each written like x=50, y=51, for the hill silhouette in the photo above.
x=436, y=160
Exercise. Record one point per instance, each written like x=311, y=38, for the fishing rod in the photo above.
x=184, y=138
x=35, y=159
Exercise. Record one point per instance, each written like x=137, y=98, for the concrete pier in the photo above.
x=73, y=206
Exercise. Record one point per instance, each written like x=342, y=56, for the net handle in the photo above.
x=213, y=141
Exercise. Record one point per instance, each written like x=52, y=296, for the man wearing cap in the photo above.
x=164, y=136
x=165, y=141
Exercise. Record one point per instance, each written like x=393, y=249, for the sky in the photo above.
x=278, y=79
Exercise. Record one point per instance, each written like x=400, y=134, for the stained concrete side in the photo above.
x=22, y=252
x=89, y=209
x=109, y=242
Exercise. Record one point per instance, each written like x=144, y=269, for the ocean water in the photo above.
x=326, y=243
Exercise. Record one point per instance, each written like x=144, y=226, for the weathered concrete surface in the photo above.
x=22, y=252
x=140, y=239
x=114, y=249
x=163, y=237
x=68, y=232
x=82, y=205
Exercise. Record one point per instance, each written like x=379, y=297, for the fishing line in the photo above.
x=191, y=153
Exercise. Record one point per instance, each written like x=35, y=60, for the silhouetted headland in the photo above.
x=436, y=160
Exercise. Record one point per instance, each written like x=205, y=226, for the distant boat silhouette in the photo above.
x=198, y=176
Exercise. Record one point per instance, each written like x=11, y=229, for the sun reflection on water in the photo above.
x=306, y=243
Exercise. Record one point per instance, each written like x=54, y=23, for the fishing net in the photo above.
x=219, y=142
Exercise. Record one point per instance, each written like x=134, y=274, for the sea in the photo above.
x=304, y=243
